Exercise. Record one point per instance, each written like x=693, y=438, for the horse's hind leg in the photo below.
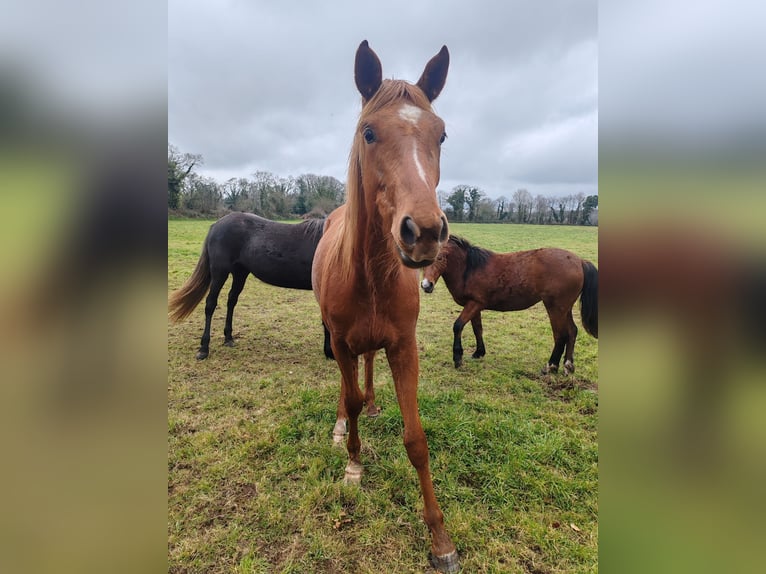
x=341, y=421
x=478, y=332
x=571, y=338
x=369, y=385
x=339, y=430
x=327, y=345
x=216, y=284
x=238, y=283
x=353, y=400
x=560, y=338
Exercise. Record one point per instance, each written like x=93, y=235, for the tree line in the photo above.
x=311, y=195
x=469, y=203
x=268, y=195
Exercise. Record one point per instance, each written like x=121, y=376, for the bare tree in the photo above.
x=541, y=209
x=523, y=201
x=501, y=204
x=202, y=194
x=485, y=210
x=441, y=195
x=236, y=194
x=180, y=165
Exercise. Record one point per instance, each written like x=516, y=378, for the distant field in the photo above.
x=254, y=481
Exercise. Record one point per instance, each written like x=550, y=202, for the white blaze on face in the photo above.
x=412, y=114
x=421, y=171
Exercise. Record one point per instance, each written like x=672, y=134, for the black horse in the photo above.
x=238, y=244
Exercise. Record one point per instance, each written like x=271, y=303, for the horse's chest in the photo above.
x=370, y=323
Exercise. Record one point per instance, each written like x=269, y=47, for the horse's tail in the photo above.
x=589, y=298
x=183, y=301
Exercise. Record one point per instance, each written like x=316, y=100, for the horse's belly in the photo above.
x=513, y=304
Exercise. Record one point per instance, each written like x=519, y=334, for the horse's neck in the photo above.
x=455, y=269
x=373, y=256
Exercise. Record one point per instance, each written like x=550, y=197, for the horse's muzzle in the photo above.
x=411, y=263
x=419, y=245
x=427, y=286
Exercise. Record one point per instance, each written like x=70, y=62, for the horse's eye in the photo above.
x=441, y=139
x=369, y=135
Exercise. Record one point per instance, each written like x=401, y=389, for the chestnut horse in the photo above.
x=365, y=274
x=479, y=279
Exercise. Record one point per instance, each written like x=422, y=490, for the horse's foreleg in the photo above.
x=211, y=302
x=369, y=385
x=478, y=332
x=403, y=360
x=353, y=400
x=470, y=309
x=237, y=284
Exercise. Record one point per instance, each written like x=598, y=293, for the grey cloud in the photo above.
x=270, y=85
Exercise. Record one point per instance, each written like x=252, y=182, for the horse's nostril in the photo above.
x=409, y=231
x=444, y=234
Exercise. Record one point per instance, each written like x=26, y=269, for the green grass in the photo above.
x=255, y=484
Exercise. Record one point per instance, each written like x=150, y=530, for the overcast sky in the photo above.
x=257, y=85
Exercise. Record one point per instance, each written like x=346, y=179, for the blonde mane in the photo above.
x=389, y=92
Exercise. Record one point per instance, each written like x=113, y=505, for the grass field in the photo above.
x=254, y=482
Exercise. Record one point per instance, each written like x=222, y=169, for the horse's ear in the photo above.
x=435, y=75
x=368, y=73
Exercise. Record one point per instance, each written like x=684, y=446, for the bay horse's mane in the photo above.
x=475, y=257
x=356, y=210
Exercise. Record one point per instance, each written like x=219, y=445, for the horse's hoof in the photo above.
x=549, y=369
x=569, y=367
x=458, y=363
x=353, y=473
x=449, y=563
x=373, y=411
x=202, y=355
x=228, y=343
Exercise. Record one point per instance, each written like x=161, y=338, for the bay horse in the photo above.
x=239, y=244
x=365, y=268
x=480, y=279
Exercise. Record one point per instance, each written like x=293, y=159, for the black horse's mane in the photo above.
x=475, y=257
x=314, y=228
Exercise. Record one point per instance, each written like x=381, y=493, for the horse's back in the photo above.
x=517, y=280
x=555, y=272
x=277, y=253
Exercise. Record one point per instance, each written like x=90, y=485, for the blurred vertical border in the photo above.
x=682, y=251
x=83, y=130
x=83, y=289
